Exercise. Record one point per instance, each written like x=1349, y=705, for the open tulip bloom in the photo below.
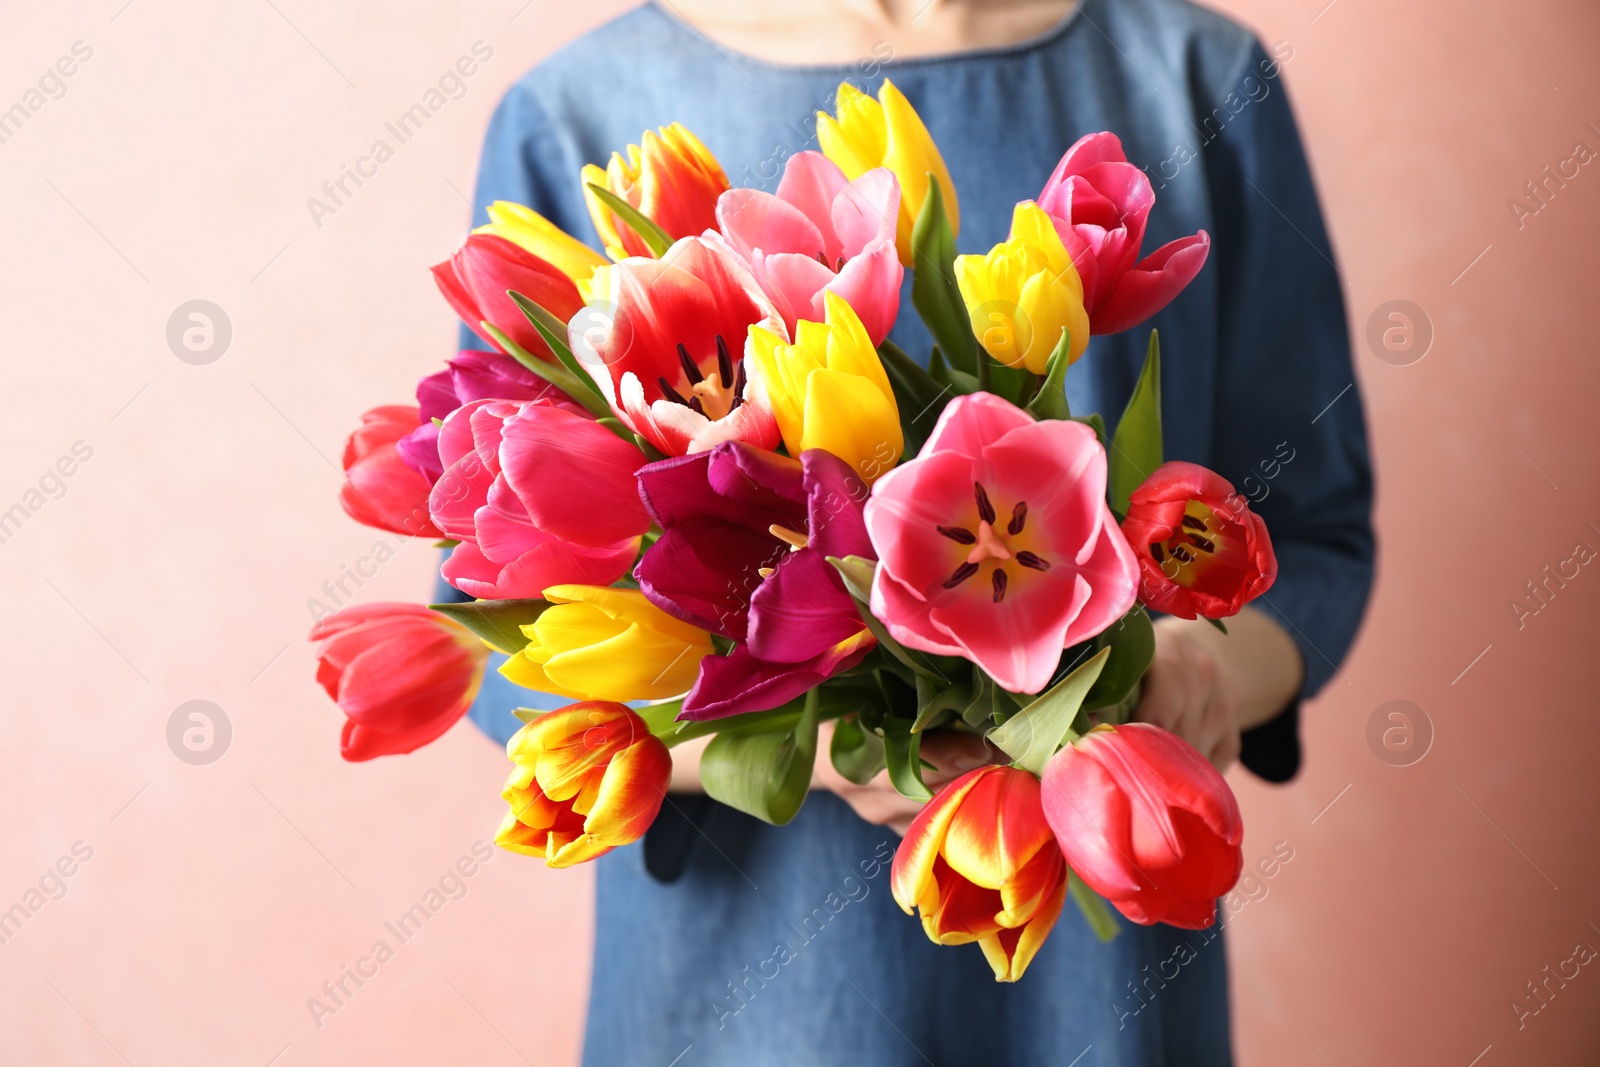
x=694, y=475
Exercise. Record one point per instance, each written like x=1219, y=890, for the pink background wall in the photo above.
x=178, y=562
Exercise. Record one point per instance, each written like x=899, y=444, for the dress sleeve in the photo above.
x=1289, y=430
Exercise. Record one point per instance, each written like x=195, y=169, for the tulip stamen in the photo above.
x=669, y=393
x=960, y=535
x=1032, y=561
x=766, y=572
x=724, y=363
x=1019, y=515
x=738, y=388
x=1157, y=551
x=1179, y=552
x=1202, y=543
x=1194, y=522
x=999, y=580
x=985, y=508
x=961, y=574
x=690, y=368
x=795, y=541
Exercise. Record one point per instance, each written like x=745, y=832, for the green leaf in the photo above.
x=498, y=622
x=1032, y=735
x=767, y=774
x=554, y=373
x=857, y=572
x=662, y=719
x=941, y=371
x=1135, y=450
x=1008, y=382
x=1097, y=424
x=933, y=284
x=916, y=393
x=979, y=712
x=1132, y=641
x=1218, y=623
x=654, y=237
x=1050, y=402
x=554, y=331
x=901, y=750
x=935, y=698
x=1096, y=912
x=857, y=752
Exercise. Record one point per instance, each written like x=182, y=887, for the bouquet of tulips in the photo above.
x=693, y=487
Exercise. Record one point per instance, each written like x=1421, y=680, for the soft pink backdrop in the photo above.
x=178, y=564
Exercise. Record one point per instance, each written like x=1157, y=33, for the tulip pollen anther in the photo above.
x=985, y=508
x=795, y=541
x=961, y=574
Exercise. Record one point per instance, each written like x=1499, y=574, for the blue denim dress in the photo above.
x=720, y=940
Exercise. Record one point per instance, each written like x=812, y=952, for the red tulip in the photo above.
x=1201, y=550
x=1146, y=822
x=979, y=864
x=381, y=489
x=669, y=355
x=475, y=281
x=403, y=675
x=1100, y=203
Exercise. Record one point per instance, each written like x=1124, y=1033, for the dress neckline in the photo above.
x=1037, y=42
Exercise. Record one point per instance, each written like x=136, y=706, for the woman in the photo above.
x=721, y=940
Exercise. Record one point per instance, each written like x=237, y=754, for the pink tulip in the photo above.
x=537, y=496
x=403, y=675
x=381, y=489
x=1146, y=822
x=821, y=234
x=996, y=543
x=668, y=350
x=1100, y=203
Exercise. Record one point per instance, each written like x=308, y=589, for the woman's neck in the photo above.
x=842, y=31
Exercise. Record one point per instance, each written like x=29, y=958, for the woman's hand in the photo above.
x=1187, y=693
x=878, y=802
x=1207, y=686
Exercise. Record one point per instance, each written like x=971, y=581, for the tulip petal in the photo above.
x=1152, y=285
x=911, y=878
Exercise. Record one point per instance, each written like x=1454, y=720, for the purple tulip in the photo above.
x=719, y=566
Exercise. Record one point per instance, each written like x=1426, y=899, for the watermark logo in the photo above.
x=1399, y=333
x=199, y=332
x=199, y=732
x=1399, y=733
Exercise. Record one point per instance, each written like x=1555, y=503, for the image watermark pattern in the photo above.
x=199, y=732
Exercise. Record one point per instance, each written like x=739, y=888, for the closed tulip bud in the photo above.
x=588, y=778
x=888, y=132
x=1024, y=293
x=1146, y=822
x=979, y=863
x=533, y=233
x=669, y=177
x=402, y=673
x=828, y=390
x=477, y=279
x=599, y=643
x=381, y=489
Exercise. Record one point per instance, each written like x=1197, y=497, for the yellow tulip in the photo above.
x=1024, y=293
x=828, y=390
x=534, y=233
x=599, y=643
x=670, y=177
x=888, y=132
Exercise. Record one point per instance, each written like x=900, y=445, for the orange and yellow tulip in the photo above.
x=888, y=132
x=980, y=864
x=588, y=778
x=670, y=177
